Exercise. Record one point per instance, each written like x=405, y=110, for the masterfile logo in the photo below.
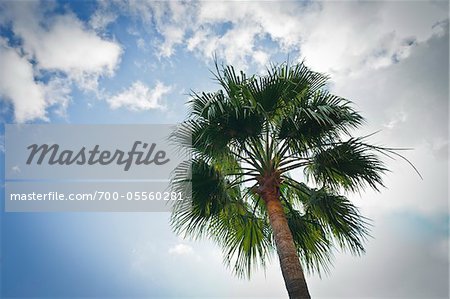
x=91, y=168
x=52, y=154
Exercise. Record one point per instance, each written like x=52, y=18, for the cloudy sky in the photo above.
x=134, y=62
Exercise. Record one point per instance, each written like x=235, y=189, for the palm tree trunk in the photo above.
x=287, y=253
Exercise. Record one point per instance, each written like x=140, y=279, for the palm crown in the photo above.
x=246, y=140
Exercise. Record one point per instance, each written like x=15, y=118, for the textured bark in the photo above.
x=287, y=253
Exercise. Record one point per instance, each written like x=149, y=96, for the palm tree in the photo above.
x=247, y=141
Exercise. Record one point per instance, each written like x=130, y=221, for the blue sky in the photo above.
x=120, y=62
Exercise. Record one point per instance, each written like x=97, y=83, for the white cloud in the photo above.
x=18, y=86
x=410, y=100
x=399, y=117
x=236, y=46
x=402, y=244
x=140, y=97
x=102, y=17
x=66, y=45
x=140, y=42
x=334, y=37
x=172, y=20
x=181, y=249
x=58, y=92
x=58, y=46
x=410, y=97
x=349, y=36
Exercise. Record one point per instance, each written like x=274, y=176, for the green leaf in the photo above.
x=351, y=165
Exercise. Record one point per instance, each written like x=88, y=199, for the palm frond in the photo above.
x=340, y=218
x=351, y=165
x=312, y=242
x=208, y=196
x=245, y=239
x=321, y=118
x=217, y=209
